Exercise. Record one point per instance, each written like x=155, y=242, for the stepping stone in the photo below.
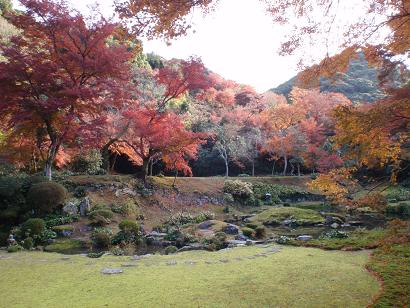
x=111, y=271
x=190, y=262
x=224, y=260
x=238, y=259
x=210, y=262
x=128, y=265
x=65, y=258
x=250, y=257
x=172, y=262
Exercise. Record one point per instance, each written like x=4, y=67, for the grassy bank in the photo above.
x=242, y=277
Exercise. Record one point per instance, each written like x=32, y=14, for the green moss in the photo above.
x=393, y=267
x=66, y=246
x=293, y=277
x=359, y=239
x=300, y=217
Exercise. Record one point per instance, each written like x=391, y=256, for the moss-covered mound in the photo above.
x=288, y=216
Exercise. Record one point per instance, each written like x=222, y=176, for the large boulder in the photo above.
x=70, y=208
x=231, y=229
x=85, y=206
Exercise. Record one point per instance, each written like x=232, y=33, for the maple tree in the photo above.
x=57, y=72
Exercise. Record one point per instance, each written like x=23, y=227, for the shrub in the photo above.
x=283, y=239
x=399, y=193
x=28, y=243
x=187, y=218
x=171, y=250
x=336, y=234
x=129, y=207
x=95, y=254
x=90, y=163
x=238, y=189
x=33, y=227
x=375, y=201
x=80, y=192
x=57, y=220
x=63, y=230
x=129, y=226
x=66, y=246
x=45, y=197
x=102, y=237
x=252, y=225
x=106, y=213
x=260, y=232
x=243, y=175
x=228, y=198
x=248, y=232
x=14, y=248
x=116, y=251
x=226, y=210
x=221, y=236
x=46, y=236
x=401, y=209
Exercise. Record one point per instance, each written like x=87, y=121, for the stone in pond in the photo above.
x=334, y=225
x=304, y=238
x=111, y=271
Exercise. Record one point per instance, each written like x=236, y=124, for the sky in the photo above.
x=237, y=41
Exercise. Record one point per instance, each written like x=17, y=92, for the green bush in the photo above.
x=80, y=192
x=102, y=238
x=238, y=189
x=95, y=254
x=45, y=197
x=106, y=213
x=260, y=232
x=46, y=236
x=28, y=243
x=129, y=226
x=90, y=163
x=129, y=207
x=33, y=227
x=180, y=219
x=171, y=250
x=252, y=225
x=14, y=248
x=248, y=232
x=63, y=230
x=401, y=209
x=398, y=193
x=116, y=251
x=66, y=246
x=57, y=220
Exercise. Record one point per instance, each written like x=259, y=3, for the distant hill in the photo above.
x=359, y=83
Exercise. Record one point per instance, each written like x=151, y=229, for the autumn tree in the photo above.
x=56, y=72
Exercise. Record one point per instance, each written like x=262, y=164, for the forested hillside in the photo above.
x=359, y=83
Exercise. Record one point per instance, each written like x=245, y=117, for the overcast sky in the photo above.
x=237, y=41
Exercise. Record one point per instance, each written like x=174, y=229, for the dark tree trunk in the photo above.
x=273, y=168
x=226, y=168
x=150, y=166
x=145, y=163
x=292, y=170
x=298, y=166
x=253, y=167
x=175, y=178
x=112, y=168
x=286, y=164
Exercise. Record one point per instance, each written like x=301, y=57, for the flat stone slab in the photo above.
x=128, y=265
x=111, y=271
x=172, y=262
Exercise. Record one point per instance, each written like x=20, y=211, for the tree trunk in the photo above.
x=253, y=167
x=273, y=168
x=145, y=163
x=226, y=167
x=175, y=178
x=292, y=170
x=111, y=169
x=105, y=154
x=298, y=166
x=150, y=166
x=286, y=164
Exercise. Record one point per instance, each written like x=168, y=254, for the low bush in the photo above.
x=90, y=163
x=402, y=209
x=80, y=192
x=66, y=246
x=106, y=213
x=57, y=220
x=336, y=234
x=28, y=243
x=33, y=227
x=398, y=193
x=95, y=255
x=14, y=248
x=248, y=232
x=130, y=232
x=187, y=218
x=116, y=251
x=102, y=238
x=127, y=208
x=129, y=226
x=375, y=201
x=238, y=189
x=63, y=230
x=170, y=250
x=260, y=232
x=46, y=197
x=252, y=225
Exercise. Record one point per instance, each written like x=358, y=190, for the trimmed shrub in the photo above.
x=66, y=246
x=260, y=232
x=116, y=251
x=95, y=255
x=63, y=230
x=101, y=238
x=238, y=189
x=170, y=250
x=129, y=207
x=80, y=192
x=106, y=213
x=129, y=226
x=130, y=232
x=45, y=197
x=375, y=201
x=401, y=209
x=14, y=248
x=89, y=163
x=187, y=218
x=28, y=243
x=399, y=193
x=248, y=232
x=33, y=227
x=252, y=225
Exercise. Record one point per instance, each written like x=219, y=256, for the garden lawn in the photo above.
x=241, y=277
